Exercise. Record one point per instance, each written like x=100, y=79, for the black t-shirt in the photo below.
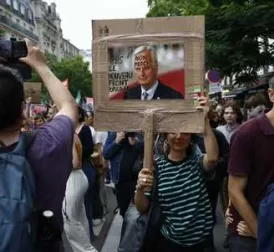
x=86, y=139
x=130, y=155
x=223, y=152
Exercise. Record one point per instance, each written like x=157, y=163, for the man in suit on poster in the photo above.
x=145, y=65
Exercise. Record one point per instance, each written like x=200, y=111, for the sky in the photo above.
x=76, y=16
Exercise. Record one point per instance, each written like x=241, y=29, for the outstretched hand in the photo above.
x=35, y=57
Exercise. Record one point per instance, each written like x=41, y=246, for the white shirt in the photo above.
x=150, y=92
x=98, y=136
x=102, y=137
x=94, y=135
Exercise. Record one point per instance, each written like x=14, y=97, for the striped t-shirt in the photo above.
x=184, y=201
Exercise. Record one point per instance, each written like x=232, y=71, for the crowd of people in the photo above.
x=54, y=168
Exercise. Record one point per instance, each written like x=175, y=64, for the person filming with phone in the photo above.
x=34, y=166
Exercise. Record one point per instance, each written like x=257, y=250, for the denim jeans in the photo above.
x=238, y=243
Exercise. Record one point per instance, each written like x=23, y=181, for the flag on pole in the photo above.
x=79, y=97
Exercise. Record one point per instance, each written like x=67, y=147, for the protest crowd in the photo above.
x=55, y=167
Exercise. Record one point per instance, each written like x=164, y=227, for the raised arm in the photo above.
x=60, y=95
x=211, y=146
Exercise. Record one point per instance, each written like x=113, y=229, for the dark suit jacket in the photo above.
x=162, y=92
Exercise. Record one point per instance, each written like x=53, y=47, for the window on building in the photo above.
x=29, y=14
x=23, y=9
x=8, y=2
x=15, y=4
x=18, y=21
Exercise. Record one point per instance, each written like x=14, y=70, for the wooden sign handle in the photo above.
x=149, y=140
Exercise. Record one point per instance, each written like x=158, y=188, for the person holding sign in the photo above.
x=145, y=65
x=181, y=191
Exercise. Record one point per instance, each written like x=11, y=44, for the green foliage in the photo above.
x=75, y=70
x=236, y=32
x=78, y=74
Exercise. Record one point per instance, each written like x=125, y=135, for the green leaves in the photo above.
x=237, y=32
x=77, y=73
x=75, y=70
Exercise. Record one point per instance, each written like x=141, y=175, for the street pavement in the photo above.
x=113, y=238
x=100, y=231
x=108, y=232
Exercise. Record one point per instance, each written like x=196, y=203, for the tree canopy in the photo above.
x=238, y=32
x=75, y=70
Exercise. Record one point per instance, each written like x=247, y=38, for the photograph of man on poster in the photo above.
x=145, y=67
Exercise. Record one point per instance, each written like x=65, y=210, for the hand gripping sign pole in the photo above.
x=149, y=139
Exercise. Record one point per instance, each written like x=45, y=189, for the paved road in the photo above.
x=113, y=237
x=101, y=231
x=108, y=233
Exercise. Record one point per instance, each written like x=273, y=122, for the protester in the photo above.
x=75, y=219
x=250, y=173
x=182, y=194
x=233, y=118
x=256, y=105
x=49, y=155
x=51, y=113
x=124, y=150
x=85, y=135
x=39, y=120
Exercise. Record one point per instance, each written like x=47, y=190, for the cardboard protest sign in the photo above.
x=33, y=90
x=164, y=56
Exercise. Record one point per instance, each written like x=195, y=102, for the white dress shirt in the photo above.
x=150, y=92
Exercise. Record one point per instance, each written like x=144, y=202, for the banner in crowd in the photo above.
x=33, y=90
x=36, y=109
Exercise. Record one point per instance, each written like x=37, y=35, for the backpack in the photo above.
x=17, y=189
x=265, y=240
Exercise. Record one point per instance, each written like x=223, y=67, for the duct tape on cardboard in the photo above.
x=163, y=55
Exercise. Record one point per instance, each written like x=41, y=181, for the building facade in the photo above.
x=17, y=20
x=39, y=22
x=68, y=50
x=50, y=32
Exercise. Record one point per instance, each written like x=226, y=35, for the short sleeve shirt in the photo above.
x=101, y=137
x=250, y=156
x=50, y=157
x=183, y=200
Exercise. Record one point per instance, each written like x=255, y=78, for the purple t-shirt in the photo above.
x=50, y=157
